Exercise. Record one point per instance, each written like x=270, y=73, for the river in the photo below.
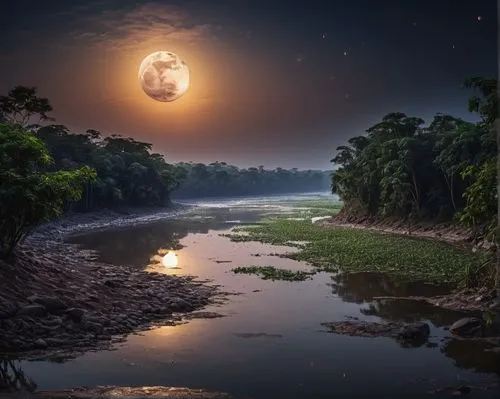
x=270, y=344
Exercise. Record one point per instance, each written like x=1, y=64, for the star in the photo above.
x=479, y=18
x=323, y=36
x=452, y=46
x=414, y=24
x=347, y=96
x=345, y=53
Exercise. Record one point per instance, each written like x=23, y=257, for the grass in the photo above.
x=313, y=208
x=356, y=250
x=273, y=273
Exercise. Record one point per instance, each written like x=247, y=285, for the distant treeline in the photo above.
x=221, y=179
x=444, y=171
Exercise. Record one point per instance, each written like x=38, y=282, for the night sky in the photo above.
x=274, y=83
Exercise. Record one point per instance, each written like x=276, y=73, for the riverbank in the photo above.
x=467, y=299
x=345, y=248
x=58, y=301
x=446, y=232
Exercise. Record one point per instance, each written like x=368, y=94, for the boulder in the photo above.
x=467, y=326
x=41, y=344
x=415, y=331
x=75, y=314
x=7, y=310
x=33, y=310
x=112, y=282
x=52, y=304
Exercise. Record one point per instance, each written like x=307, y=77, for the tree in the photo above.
x=445, y=171
x=22, y=104
x=481, y=196
x=29, y=194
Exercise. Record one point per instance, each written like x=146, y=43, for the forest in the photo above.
x=221, y=179
x=443, y=171
x=47, y=170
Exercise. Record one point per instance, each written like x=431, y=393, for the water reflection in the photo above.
x=13, y=378
x=169, y=259
x=472, y=355
x=364, y=286
x=133, y=246
x=163, y=261
x=411, y=311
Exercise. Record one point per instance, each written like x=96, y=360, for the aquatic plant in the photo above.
x=273, y=273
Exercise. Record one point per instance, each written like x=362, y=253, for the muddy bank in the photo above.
x=447, y=232
x=58, y=301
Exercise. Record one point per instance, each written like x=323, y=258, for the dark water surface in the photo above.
x=271, y=343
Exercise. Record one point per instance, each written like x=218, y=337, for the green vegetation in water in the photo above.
x=353, y=250
x=313, y=208
x=273, y=273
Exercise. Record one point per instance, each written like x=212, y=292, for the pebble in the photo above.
x=33, y=310
x=75, y=314
x=40, y=344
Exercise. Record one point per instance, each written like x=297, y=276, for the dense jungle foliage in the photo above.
x=444, y=171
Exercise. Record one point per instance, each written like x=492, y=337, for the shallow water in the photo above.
x=270, y=344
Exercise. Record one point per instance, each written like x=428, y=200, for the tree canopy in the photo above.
x=29, y=192
x=443, y=171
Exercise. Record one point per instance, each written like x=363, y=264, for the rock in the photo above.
x=56, y=342
x=467, y=326
x=94, y=327
x=179, y=305
x=7, y=310
x=33, y=310
x=17, y=344
x=452, y=391
x=52, y=304
x=75, y=314
x=112, y=283
x=41, y=344
x=414, y=331
x=495, y=304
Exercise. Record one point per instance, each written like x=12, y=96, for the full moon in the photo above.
x=164, y=76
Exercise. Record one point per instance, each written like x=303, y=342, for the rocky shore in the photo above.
x=125, y=393
x=58, y=301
